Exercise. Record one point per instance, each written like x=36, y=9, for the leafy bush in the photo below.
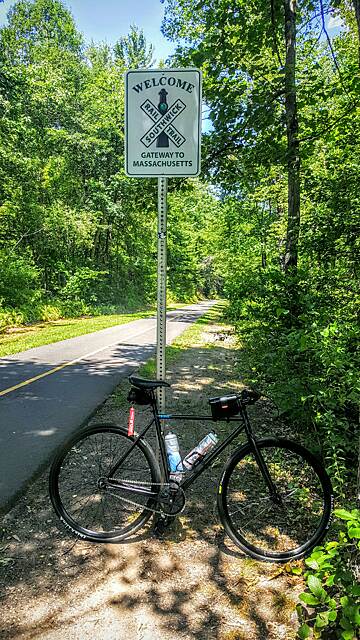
x=74, y=308
x=86, y=285
x=300, y=349
x=50, y=312
x=10, y=318
x=332, y=588
x=19, y=281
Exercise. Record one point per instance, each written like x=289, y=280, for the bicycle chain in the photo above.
x=136, y=504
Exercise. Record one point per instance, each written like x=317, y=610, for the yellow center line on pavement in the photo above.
x=66, y=364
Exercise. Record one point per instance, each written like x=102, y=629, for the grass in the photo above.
x=36, y=335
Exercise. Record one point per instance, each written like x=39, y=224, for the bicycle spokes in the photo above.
x=275, y=523
x=85, y=490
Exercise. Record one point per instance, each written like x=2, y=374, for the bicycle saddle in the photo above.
x=142, y=383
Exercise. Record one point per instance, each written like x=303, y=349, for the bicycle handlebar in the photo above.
x=248, y=396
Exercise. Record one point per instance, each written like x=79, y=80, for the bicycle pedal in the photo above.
x=161, y=525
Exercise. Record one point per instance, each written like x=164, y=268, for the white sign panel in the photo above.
x=162, y=122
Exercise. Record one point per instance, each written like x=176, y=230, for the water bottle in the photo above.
x=173, y=456
x=197, y=454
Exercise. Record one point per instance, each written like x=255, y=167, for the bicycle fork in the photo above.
x=274, y=494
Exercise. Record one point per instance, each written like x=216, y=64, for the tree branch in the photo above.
x=356, y=4
x=26, y=235
x=331, y=47
x=349, y=109
x=273, y=26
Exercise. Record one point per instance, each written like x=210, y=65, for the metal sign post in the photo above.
x=162, y=139
x=161, y=289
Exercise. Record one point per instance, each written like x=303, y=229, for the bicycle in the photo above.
x=274, y=497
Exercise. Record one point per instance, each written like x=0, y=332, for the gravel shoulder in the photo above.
x=192, y=584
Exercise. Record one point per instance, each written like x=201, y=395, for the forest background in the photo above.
x=272, y=225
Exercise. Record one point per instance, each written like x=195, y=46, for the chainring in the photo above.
x=174, y=502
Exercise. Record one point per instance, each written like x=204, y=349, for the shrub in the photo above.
x=74, y=308
x=86, y=285
x=10, y=318
x=19, y=283
x=49, y=313
x=301, y=351
x=332, y=588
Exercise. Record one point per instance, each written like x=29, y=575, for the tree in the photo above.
x=356, y=4
x=279, y=88
x=292, y=131
x=132, y=50
x=251, y=93
x=68, y=212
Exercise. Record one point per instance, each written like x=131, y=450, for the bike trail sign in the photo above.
x=162, y=122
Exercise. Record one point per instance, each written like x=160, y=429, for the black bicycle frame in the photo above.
x=201, y=466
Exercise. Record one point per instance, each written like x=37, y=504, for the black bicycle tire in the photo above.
x=325, y=521
x=56, y=501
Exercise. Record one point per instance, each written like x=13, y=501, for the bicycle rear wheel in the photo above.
x=77, y=493
x=260, y=527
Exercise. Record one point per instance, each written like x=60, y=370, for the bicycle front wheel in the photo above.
x=266, y=529
x=78, y=491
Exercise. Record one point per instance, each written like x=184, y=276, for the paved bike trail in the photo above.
x=66, y=381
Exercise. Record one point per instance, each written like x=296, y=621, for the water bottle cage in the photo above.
x=199, y=459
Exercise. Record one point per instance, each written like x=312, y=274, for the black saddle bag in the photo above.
x=139, y=396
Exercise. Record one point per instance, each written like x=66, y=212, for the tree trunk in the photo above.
x=356, y=553
x=263, y=239
x=292, y=130
x=95, y=246
x=355, y=559
x=358, y=479
x=356, y=4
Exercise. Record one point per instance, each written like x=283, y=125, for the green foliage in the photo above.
x=132, y=51
x=82, y=232
x=10, y=318
x=333, y=591
x=85, y=285
x=306, y=363
x=19, y=279
x=193, y=214
x=299, y=328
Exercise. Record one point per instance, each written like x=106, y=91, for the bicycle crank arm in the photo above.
x=277, y=499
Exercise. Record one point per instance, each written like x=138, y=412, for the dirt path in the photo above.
x=194, y=584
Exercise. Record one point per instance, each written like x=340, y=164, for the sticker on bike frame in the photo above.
x=131, y=422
